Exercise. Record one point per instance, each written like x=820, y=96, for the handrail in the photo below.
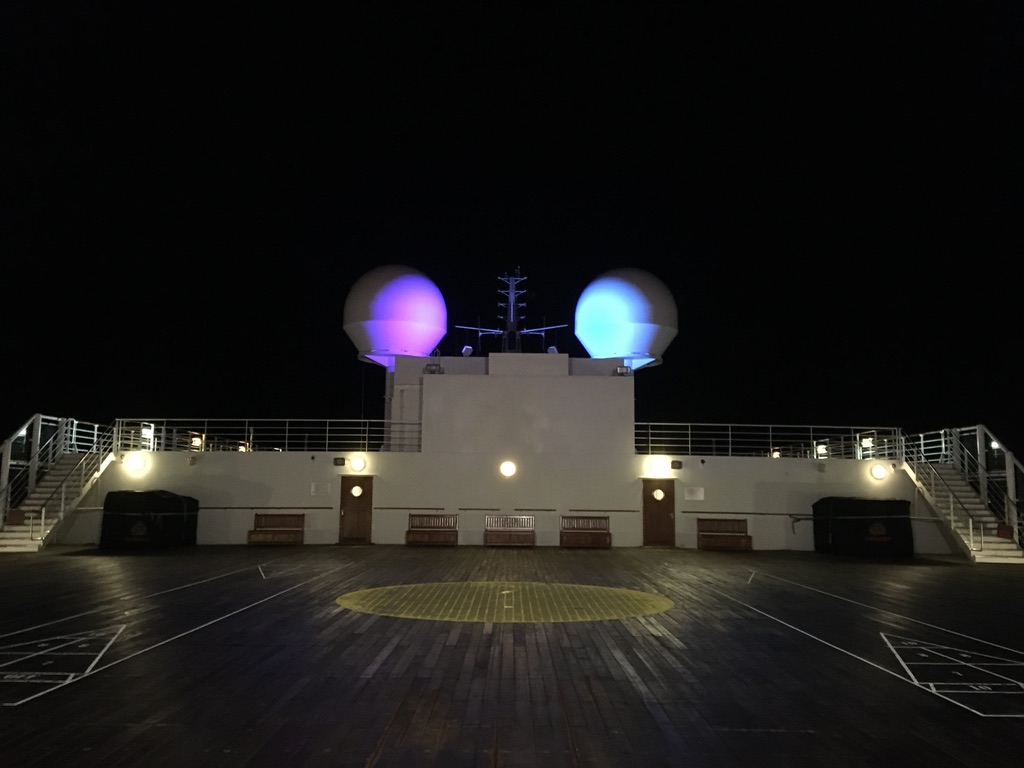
x=973, y=458
x=245, y=435
x=916, y=451
x=87, y=471
x=767, y=440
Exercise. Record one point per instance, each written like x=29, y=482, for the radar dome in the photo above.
x=392, y=311
x=627, y=313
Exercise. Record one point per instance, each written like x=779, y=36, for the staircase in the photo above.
x=25, y=528
x=986, y=545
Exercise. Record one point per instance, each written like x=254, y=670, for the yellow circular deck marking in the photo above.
x=504, y=601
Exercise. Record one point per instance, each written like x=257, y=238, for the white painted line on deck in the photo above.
x=141, y=597
x=178, y=636
x=827, y=643
x=897, y=615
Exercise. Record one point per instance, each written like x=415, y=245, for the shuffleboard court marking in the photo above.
x=53, y=660
x=130, y=597
x=990, y=686
x=1006, y=700
x=94, y=670
x=898, y=615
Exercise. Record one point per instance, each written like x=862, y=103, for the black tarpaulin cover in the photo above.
x=852, y=526
x=148, y=519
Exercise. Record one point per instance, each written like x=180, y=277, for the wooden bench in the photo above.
x=585, y=531
x=509, y=531
x=273, y=528
x=433, y=530
x=727, y=533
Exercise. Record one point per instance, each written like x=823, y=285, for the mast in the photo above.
x=511, y=335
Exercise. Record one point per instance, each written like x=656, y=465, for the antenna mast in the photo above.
x=511, y=336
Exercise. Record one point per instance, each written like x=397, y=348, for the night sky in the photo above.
x=832, y=193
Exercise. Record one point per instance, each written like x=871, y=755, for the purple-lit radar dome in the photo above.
x=393, y=311
x=627, y=313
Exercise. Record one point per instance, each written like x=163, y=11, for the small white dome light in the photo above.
x=878, y=471
x=507, y=468
x=358, y=463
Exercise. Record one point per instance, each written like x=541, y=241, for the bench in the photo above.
x=509, y=531
x=714, y=533
x=433, y=530
x=273, y=528
x=584, y=531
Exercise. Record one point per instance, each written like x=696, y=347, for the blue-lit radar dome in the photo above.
x=627, y=313
x=394, y=310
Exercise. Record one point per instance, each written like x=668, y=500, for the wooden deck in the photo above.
x=242, y=656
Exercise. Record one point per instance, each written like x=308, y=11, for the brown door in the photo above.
x=659, y=512
x=356, y=509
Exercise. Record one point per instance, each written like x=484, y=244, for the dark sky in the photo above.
x=833, y=194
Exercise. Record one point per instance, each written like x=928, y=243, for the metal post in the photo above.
x=980, y=437
x=1011, y=496
x=5, y=477
x=33, y=462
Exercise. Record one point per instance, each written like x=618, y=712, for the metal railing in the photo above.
x=245, y=435
x=34, y=449
x=768, y=441
x=993, y=472
x=74, y=484
x=920, y=454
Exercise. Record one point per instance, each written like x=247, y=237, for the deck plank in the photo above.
x=239, y=656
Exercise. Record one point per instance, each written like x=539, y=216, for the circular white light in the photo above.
x=358, y=463
x=507, y=468
x=357, y=490
x=135, y=462
x=658, y=494
x=658, y=466
x=878, y=471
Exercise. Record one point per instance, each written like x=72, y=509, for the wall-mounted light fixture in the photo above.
x=358, y=463
x=507, y=468
x=879, y=471
x=135, y=463
x=657, y=466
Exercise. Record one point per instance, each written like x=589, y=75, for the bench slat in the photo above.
x=508, y=523
x=434, y=522
x=439, y=530
x=509, y=531
x=721, y=525
x=585, y=531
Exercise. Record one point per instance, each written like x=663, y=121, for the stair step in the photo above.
x=1010, y=559
x=33, y=546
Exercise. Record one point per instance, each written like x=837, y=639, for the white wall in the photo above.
x=570, y=436
x=776, y=496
